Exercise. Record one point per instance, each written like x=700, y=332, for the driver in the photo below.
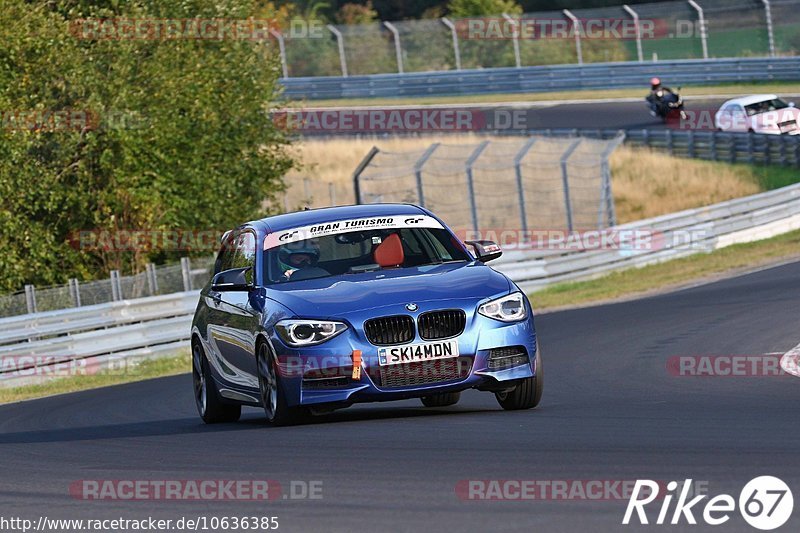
x=657, y=92
x=293, y=257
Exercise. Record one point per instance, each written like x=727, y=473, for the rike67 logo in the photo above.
x=765, y=503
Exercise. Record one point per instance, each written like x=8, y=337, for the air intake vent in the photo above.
x=442, y=324
x=390, y=330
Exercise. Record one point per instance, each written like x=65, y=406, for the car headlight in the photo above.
x=295, y=332
x=509, y=308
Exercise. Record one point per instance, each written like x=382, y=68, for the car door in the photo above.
x=233, y=320
x=739, y=120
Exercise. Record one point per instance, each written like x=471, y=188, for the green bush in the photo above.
x=180, y=135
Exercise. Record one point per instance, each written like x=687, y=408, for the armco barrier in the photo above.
x=751, y=148
x=150, y=327
x=545, y=78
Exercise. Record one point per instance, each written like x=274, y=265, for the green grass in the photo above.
x=771, y=177
x=723, y=89
x=670, y=274
x=180, y=363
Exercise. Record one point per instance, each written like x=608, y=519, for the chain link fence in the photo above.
x=184, y=276
x=518, y=183
x=642, y=32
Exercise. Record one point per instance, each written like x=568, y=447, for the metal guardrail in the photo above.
x=707, y=228
x=35, y=347
x=544, y=78
x=149, y=327
x=751, y=148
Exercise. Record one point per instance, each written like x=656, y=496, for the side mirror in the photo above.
x=234, y=279
x=485, y=251
x=791, y=104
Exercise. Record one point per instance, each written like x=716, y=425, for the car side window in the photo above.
x=244, y=253
x=225, y=256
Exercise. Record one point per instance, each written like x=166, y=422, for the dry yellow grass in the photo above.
x=645, y=183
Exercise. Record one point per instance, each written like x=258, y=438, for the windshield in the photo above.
x=765, y=106
x=360, y=251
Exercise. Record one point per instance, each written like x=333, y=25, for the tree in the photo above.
x=164, y=134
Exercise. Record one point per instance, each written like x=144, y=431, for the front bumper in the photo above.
x=323, y=374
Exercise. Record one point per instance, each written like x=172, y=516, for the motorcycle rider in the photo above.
x=657, y=92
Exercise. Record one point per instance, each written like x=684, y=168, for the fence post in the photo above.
x=398, y=48
x=701, y=19
x=418, y=171
x=152, y=278
x=470, y=185
x=186, y=272
x=340, y=43
x=732, y=153
x=332, y=193
x=607, y=197
x=74, y=292
x=576, y=25
x=523, y=215
x=282, y=49
x=750, y=148
x=30, y=298
x=635, y=16
x=515, y=39
x=770, y=34
x=690, y=143
x=565, y=179
x=454, y=34
x=116, y=286
x=359, y=169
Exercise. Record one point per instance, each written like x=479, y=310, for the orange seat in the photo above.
x=389, y=253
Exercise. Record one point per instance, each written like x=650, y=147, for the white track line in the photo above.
x=790, y=362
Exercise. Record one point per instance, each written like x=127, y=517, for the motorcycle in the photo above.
x=666, y=105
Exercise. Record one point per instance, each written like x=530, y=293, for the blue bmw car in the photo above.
x=313, y=311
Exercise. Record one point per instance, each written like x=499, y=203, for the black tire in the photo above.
x=271, y=390
x=528, y=392
x=443, y=399
x=209, y=404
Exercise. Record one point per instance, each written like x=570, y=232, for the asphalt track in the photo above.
x=619, y=115
x=610, y=411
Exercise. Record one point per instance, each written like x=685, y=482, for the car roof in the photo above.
x=332, y=214
x=752, y=99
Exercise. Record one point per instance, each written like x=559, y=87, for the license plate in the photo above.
x=412, y=353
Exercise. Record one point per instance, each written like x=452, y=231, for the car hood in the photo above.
x=338, y=296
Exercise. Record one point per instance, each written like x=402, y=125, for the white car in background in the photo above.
x=759, y=113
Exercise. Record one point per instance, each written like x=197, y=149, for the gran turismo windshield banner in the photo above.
x=279, y=238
